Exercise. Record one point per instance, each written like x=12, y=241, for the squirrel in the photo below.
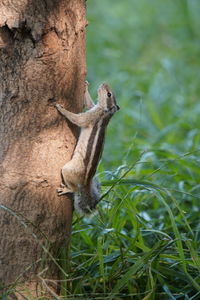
x=78, y=173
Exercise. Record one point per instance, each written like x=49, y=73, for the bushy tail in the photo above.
x=86, y=199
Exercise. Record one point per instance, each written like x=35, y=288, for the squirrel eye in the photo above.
x=109, y=94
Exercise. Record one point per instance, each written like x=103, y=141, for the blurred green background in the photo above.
x=149, y=52
x=143, y=241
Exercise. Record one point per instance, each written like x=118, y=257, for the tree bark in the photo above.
x=42, y=61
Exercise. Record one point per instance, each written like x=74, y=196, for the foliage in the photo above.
x=144, y=241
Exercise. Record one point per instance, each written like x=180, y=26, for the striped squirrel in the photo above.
x=78, y=173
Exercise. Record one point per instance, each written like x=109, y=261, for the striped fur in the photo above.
x=78, y=173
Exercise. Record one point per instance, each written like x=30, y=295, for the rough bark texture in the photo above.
x=42, y=61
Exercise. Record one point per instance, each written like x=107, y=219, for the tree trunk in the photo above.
x=42, y=61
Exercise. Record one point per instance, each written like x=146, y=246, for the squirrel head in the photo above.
x=106, y=99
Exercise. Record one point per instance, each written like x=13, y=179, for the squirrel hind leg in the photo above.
x=64, y=190
x=69, y=177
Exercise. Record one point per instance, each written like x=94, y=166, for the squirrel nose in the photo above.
x=118, y=108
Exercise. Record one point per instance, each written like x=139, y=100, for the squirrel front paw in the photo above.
x=86, y=83
x=58, y=106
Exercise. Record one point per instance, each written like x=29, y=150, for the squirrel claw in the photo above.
x=63, y=190
x=58, y=106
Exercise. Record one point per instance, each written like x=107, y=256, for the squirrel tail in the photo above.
x=86, y=199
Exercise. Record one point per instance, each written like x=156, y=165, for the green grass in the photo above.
x=143, y=242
